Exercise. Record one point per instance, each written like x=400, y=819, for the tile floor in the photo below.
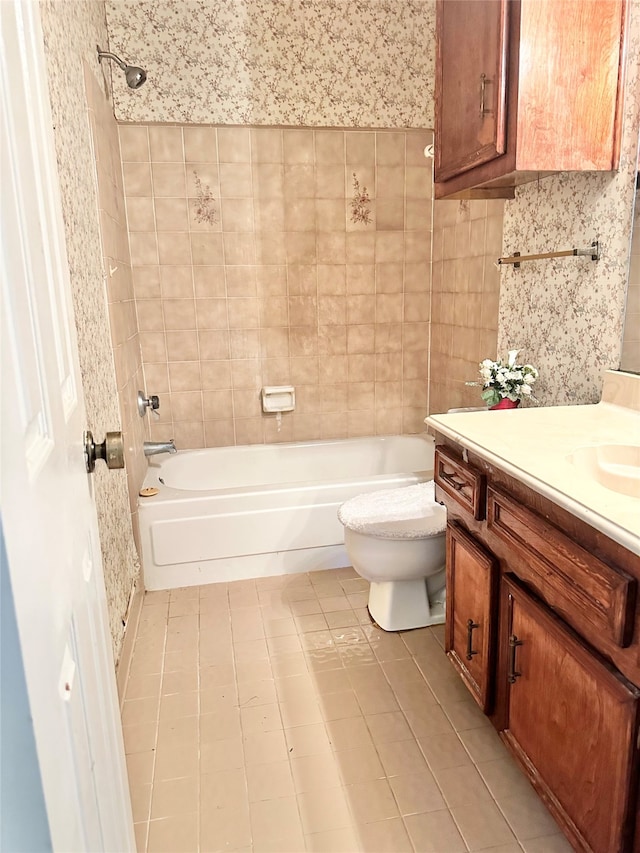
x=271, y=715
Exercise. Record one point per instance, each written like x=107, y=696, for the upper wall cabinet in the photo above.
x=525, y=88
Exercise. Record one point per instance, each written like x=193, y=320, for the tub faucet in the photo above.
x=151, y=448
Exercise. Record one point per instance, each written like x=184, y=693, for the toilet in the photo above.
x=395, y=539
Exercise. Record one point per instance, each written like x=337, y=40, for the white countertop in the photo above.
x=533, y=445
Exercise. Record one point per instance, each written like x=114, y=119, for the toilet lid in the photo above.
x=409, y=512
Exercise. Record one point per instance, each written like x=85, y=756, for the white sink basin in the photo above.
x=614, y=466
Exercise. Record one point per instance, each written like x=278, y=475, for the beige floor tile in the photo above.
x=143, y=687
x=140, y=768
x=311, y=772
x=140, y=832
x=339, y=706
x=371, y=801
x=331, y=681
x=264, y=747
x=461, y=786
x=351, y=733
x=179, y=705
x=262, y=718
x=140, y=802
x=483, y=744
x=371, y=722
x=251, y=650
x=182, y=681
x=219, y=755
x=175, y=797
x=323, y=809
x=176, y=761
x=417, y=793
x=279, y=627
x=253, y=670
x=224, y=829
x=269, y=781
x=214, y=676
x=466, y=715
x=220, y=725
x=140, y=738
x=137, y=711
x=388, y=727
x=444, y=750
x=343, y=840
x=254, y=693
x=342, y=619
x=217, y=699
x=434, y=832
x=174, y=834
x=307, y=740
x=547, y=844
x=385, y=836
x=287, y=666
x=224, y=790
x=527, y=816
x=273, y=819
x=359, y=765
x=504, y=779
x=482, y=825
x=401, y=758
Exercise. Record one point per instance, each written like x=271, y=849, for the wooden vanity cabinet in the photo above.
x=571, y=721
x=555, y=659
x=525, y=88
x=472, y=575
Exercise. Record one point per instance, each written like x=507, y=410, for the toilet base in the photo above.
x=402, y=605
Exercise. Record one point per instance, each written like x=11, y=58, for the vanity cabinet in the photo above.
x=472, y=575
x=525, y=88
x=543, y=626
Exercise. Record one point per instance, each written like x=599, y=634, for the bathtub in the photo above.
x=233, y=513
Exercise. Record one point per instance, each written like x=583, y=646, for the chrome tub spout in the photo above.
x=152, y=448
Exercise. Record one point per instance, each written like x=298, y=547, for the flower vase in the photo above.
x=506, y=403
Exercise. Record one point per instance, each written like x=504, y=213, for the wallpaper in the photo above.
x=332, y=63
x=71, y=31
x=566, y=315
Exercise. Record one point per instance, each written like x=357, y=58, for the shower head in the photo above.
x=135, y=76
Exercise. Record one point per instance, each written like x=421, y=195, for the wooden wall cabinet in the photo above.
x=543, y=625
x=525, y=88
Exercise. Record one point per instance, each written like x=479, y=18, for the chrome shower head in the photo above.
x=135, y=76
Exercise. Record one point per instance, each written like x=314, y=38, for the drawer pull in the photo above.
x=514, y=642
x=470, y=626
x=449, y=478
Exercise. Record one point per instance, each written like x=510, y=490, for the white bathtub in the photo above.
x=232, y=513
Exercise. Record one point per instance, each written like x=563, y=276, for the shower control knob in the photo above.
x=111, y=451
x=152, y=402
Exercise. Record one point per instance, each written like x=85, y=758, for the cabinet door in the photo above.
x=572, y=721
x=471, y=595
x=471, y=84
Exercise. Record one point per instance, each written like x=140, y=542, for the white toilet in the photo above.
x=395, y=539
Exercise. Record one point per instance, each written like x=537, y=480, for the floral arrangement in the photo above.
x=511, y=381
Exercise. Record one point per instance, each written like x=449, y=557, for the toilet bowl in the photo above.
x=395, y=539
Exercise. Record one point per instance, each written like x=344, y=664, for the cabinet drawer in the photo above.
x=586, y=591
x=460, y=481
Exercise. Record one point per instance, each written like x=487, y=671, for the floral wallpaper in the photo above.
x=71, y=31
x=567, y=315
x=335, y=63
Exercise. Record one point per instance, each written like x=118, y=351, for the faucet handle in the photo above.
x=152, y=403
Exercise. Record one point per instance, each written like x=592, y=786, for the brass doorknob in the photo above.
x=111, y=451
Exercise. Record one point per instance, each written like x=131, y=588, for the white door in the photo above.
x=47, y=508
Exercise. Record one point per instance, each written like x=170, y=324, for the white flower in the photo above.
x=511, y=380
x=512, y=357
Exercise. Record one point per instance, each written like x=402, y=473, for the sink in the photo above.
x=614, y=466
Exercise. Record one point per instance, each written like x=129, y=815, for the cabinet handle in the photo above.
x=483, y=86
x=470, y=626
x=514, y=642
x=449, y=478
